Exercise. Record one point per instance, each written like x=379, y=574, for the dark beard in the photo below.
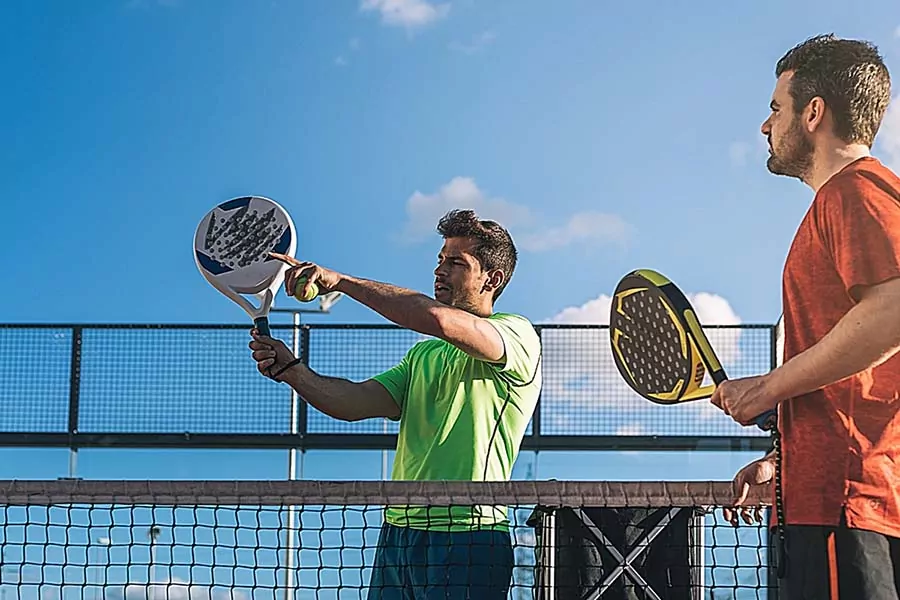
x=795, y=158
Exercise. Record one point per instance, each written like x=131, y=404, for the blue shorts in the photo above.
x=411, y=564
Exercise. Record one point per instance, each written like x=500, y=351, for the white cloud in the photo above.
x=897, y=32
x=711, y=309
x=410, y=14
x=584, y=393
x=581, y=227
x=340, y=61
x=424, y=210
x=889, y=136
x=531, y=232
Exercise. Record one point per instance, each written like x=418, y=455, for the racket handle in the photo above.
x=767, y=421
x=262, y=325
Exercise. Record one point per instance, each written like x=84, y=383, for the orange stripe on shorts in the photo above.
x=832, y=568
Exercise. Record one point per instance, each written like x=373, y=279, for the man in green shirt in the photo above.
x=463, y=398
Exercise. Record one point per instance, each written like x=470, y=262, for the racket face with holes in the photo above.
x=231, y=247
x=654, y=343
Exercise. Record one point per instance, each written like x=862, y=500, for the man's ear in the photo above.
x=814, y=114
x=494, y=280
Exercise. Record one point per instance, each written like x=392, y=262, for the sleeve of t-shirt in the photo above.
x=521, y=346
x=860, y=223
x=396, y=381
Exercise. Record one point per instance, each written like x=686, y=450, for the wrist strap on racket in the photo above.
x=286, y=367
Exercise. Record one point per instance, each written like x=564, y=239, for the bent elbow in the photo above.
x=473, y=335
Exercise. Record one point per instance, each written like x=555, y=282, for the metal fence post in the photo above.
x=74, y=395
x=536, y=419
x=300, y=348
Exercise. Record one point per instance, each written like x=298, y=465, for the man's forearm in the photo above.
x=407, y=308
x=867, y=335
x=338, y=398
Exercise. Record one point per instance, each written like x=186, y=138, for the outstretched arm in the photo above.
x=409, y=309
x=413, y=310
x=338, y=398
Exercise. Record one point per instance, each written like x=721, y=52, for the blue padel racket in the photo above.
x=231, y=249
x=659, y=346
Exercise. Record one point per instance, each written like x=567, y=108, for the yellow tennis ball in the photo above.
x=311, y=292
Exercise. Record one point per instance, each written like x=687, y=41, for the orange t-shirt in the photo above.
x=841, y=444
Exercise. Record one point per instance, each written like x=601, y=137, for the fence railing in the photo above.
x=172, y=385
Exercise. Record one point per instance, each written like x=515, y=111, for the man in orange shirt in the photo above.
x=838, y=389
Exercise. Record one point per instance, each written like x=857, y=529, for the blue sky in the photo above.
x=128, y=119
x=606, y=136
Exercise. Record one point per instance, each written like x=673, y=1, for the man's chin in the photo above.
x=775, y=167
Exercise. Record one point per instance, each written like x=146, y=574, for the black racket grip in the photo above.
x=767, y=421
x=262, y=325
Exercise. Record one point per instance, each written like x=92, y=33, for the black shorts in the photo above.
x=838, y=563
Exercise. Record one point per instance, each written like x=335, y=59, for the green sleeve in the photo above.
x=521, y=346
x=396, y=381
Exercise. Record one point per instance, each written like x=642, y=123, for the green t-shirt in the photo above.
x=463, y=419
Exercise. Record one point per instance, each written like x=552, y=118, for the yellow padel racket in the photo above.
x=659, y=346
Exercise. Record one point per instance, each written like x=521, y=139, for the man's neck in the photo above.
x=484, y=311
x=831, y=160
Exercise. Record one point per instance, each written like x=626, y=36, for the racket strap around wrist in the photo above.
x=294, y=362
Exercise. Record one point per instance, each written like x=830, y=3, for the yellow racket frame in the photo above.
x=695, y=346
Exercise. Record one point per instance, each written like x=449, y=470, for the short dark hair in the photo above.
x=850, y=75
x=494, y=247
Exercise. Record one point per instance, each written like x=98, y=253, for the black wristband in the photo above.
x=286, y=367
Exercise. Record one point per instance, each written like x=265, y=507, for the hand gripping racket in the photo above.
x=659, y=346
x=231, y=249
